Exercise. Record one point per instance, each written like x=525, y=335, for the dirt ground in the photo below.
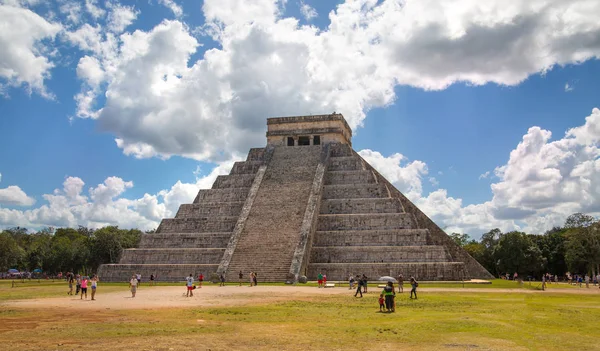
x=212, y=296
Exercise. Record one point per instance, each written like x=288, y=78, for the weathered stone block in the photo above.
x=209, y=209
x=358, y=206
x=365, y=221
x=221, y=195
x=256, y=154
x=245, y=167
x=376, y=254
x=162, y=272
x=184, y=240
x=394, y=237
x=233, y=181
x=349, y=177
x=197, y=225
x=355, y=191
x=421, y=270
x=175, y=255
x=345, y=163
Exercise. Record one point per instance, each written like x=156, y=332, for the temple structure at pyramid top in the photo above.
x=304, y=204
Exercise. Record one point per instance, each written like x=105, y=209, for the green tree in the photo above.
x=582, y=252
x=516, y=252
x=11, y=255
x=460, y=239
x=489, y=241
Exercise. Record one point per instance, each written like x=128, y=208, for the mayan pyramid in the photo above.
x=306, y=203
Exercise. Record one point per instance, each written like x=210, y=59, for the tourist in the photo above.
x=222, y=279
x=320, y=280
x=364, y=279
x=543, y=282
x=139, y=279
x=251, y=279
x=190, y=286
x=241, y=277
x=200, y=280
x=359, y=288
x=151, y=279
x=324, y=280
x=84, y=283
x=587, y=281
x=580, y=281
x=598, y=279
x=381, y=305
x=71, y=281
x=77, y=284
x=414, y=284
x=400, y=283
x=389, y=292
x=255, y=279
x=133, y=285
x=351, y=281
x=94, y=286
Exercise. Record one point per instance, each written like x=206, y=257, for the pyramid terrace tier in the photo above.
x=377, y=254
x=358, y=206
x=391, y=237
x=256, y=154
x=349, y=177
x=162, y=272
x=365, y=221
x=185, y=240
x=210, y=209
x=345, y=163
x=245, y=167
x=340, y=150
x=197, y=225
x=355, y=191
x=419, y=270
x=221, y=195
x=233, y=181
x=173, y=255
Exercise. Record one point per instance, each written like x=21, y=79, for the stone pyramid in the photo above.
x=304, y=204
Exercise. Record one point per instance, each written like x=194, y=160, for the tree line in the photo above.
x=574, y=248
x=80, y=250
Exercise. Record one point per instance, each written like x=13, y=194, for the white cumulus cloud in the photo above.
x=307, y=11
x=14, y=196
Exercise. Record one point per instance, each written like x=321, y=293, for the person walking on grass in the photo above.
x=365, y=283
x=320, y=279
x=200, y=280
x=77, y=284
x=351, y=282
x=414, y=284
x=241, y=277
x=94, y=283
x=389, y=292
x=190, y=286
x=251, y=279
x=71, y=282
x=139, y=279
x=84, y=284
x=543, y=282
x=359, y=288
x=222, y=279
x=255, y=279
x=400, y=283
x=133, y=283
x=381, y=303
x=587, y=281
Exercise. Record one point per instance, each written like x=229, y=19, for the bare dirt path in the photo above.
x=209, y=296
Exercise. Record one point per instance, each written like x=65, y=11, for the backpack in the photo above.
x=416, y=284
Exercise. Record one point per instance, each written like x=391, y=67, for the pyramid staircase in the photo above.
x=195, y=240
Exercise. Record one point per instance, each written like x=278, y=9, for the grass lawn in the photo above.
x=451, y=320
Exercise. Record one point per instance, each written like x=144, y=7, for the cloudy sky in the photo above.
x=485, y=113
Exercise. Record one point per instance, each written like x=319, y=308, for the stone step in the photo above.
x=357, y=206
x=419, y=270
x=349, y=177
x=393, y=237
x=163, y=272
x=207, y=209
x=340, y=150
x=245, y=167
x=355, y=191
x=365, y=221
x=197, y=225
x=233, y=181
x=376, y=254
x=256, y=154
x=345, y=163
x=184, y=240
x=172, y=255
x=221, y=195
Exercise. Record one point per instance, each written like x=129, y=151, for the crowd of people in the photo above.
x=82, y=283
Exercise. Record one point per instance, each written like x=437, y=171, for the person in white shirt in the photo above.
x=133, y=283
x=190, y=286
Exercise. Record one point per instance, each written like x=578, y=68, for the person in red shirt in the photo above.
x=200, y=280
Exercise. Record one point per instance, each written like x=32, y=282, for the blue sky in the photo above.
x=186, y=88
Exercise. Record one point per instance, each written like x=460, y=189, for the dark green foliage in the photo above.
x=67, y=249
